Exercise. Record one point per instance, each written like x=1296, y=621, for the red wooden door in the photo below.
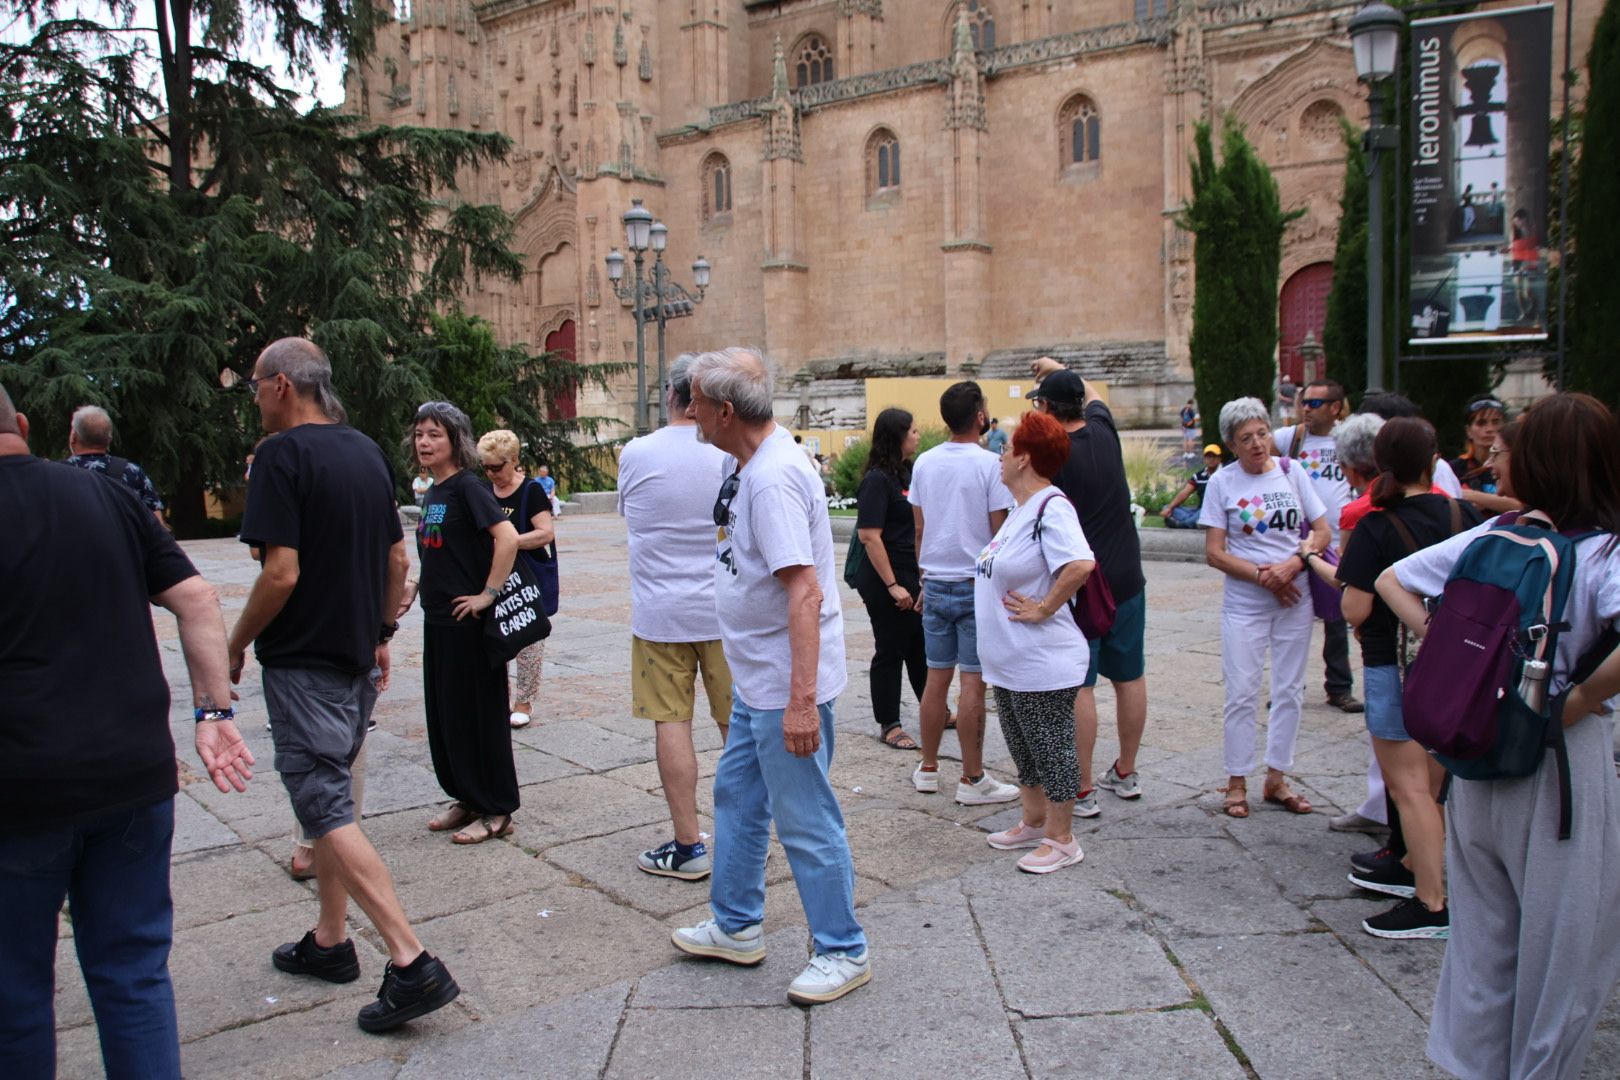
x=561, y=342
x=1302, y=310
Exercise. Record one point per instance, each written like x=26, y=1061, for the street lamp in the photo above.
x=1375, y=41
x=659, y=299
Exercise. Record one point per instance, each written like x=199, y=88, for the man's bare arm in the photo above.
x=801, y=723
x=202, y=641
x=271, y=590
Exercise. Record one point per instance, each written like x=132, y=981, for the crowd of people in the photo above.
x=1011, y=568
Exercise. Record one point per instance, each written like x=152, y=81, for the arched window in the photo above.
x=716, y=187
x=813, y=63
x=882, y=163
x=1079, y=133
x=981, y=24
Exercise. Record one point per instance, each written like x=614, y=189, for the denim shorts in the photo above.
x=950, y=638
x=1383, y=688
x=1121, y=654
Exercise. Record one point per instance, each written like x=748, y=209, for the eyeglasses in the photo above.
x=1485, y=403
x=1319, y=402
x=722, y=505
x=436, y=408
x=1496, y=451
x=1263, y=435
x=252, y=384
x=495, y=468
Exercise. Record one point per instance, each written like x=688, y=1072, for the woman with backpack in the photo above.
x=1535, y=919
x=1252, y=516
x=1407, y=517
x=520, y=497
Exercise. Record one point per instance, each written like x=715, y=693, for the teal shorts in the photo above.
x=1120, y=655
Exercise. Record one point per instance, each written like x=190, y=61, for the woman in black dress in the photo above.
x=889, y=584
x=466, y=547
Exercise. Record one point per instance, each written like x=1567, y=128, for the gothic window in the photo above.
x=813, y=63
x=716, y=188
x=1147, y=9
x=882, y=163
x=1079, y=133
x=981, y=24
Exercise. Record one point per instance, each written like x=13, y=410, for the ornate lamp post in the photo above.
x=658, y=299
x=1375, y=39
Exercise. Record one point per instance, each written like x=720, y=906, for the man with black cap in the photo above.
x=1093, y=479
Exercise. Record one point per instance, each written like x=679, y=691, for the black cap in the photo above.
x=1064, y=387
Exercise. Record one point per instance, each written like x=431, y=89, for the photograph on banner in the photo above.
x=1481, y=107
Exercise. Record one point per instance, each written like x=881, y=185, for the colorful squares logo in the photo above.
x=1252, y=512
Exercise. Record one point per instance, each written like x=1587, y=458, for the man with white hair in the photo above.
x=783, y=632
x=90, y=435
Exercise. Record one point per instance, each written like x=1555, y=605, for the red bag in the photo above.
x=1093, y=606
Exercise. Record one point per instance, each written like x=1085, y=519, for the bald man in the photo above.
x=90, y=436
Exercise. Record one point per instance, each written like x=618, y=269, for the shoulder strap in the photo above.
x=522, y=521
x=1041, y=513
x=1456, y=515
x=116, y=466
x=1298, y=440
x=1405, y=533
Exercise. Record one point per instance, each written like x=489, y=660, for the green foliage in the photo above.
x=849, y=467
x=1344, y=333
x=1594, y=317
x=1151, y=471
x=1237, y=217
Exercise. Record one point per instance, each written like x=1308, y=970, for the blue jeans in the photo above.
x=115, y=871
x=758, y=780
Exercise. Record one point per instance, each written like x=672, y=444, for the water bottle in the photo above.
x=1533, y=684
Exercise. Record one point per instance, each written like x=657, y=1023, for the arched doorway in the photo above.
x=561, y=342
x=1302, y=310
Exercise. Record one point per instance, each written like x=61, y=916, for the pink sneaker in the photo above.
x=1019, y=836
x=1056, y=858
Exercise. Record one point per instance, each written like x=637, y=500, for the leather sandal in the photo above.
x=484, y=829
x=1237, y=801
x=1288, y=800
x=454, y=816
x=896, y=738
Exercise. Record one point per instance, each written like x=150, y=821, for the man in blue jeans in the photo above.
x=87, y=767
x=783, y=635
x=958, y=502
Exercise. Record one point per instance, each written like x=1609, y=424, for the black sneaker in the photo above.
x=405, y=997
x=1394, y=880
x=339, y=964
x=1346, y=703
x=1410, y=919
x=1372, y=862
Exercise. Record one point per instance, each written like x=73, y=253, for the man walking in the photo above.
x=777, y=599
x=1094, y=480
x=674, y=630
x=1310, y=444
x=87, y=766
x=957, y=502
x=90, y=435
x=321, y=505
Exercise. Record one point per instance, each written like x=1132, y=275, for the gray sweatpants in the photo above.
x=1535, y=921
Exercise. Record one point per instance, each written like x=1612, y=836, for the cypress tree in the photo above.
x=1344, y=333
x=1594, y=316
x=1237, y=217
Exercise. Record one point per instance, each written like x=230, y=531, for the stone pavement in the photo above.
x=1186, y=945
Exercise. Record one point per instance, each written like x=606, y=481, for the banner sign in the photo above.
x=1481, y=103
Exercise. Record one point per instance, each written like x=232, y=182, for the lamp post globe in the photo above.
x=700, y=272
x=659, y=235
x=615, y=266
x=1375, y=40
x=638, y=222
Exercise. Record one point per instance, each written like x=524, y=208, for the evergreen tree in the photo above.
x=1594, y=317
x=1237, y=217
x=1344, y=334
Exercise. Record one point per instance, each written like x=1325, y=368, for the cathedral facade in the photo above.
x=918, y=187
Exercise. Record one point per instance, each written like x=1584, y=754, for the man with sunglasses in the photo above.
x=1310, y=444
x=776, y=595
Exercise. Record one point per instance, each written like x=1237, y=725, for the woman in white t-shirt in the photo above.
x=1030, y=648
x=1535, y=921
x=1253, y=512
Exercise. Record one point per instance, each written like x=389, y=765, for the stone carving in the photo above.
x=460, y=21
x=522, y=170
x=1235, y=12
x=421, y=93
x=593, y=287
x=556, y=80
x=539, y=106
x=573, y=96
x=452, y=101
x=587, y=161
x=781, y=117
x=441, y=16
x=964, y=102
x=873, y=8
x=556, y=41
x=588, y=49
x=627, y=164
x=517, y=68
x=644, y=67
x=1320, y=123
x=621, y=56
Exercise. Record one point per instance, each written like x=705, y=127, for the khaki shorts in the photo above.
x=663, y=676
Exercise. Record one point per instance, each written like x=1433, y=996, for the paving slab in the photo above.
x=569, y=1038
x=196, y=829
x=1262, y=986
x=1305, y=858
x=609, y=863
x=1411, y=969
x=588, y=745
x=1206, y=886
x=310, y=1043
x=1178, y=1045
x=662, y=1044
x=694, y=982
x=222, y=883
x=565, y=810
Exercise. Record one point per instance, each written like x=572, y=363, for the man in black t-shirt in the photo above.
x=1093, y=479
x=321, y=613
x=87, y=767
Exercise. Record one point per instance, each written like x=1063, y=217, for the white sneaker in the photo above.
x=1126, y=787
x=987, y=790
x=925, y=782
x=745, y=947
x=1086, y=804
x=520, y=719
x=829, y=977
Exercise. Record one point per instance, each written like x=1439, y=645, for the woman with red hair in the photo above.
x=1030, y=648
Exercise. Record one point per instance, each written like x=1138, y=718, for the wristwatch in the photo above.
x=493, y=593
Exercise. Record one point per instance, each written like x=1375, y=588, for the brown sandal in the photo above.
x=487, y=830
x=454, y=816
x=896, y=738
x=1237, y=801
x=1288, y=800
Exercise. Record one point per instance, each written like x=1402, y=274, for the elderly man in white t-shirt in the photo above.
x=673, y=626
x=777, y=598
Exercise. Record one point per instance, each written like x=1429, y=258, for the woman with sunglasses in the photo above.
x=1476, y=470
x=466, y=548
x=498, y=451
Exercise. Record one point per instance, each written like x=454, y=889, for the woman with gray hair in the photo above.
x=466, y=547
x=1252, y=515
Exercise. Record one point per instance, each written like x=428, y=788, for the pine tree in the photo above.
x=1344, y=333
x=1237, y=216
x=1594, y=317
